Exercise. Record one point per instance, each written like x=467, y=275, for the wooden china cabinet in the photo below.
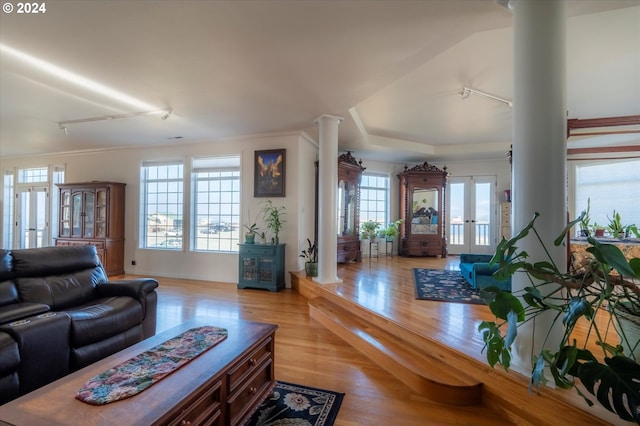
x=348, y=204
x=423, y=211
x=93, y=213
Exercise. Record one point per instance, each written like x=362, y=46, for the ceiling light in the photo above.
x=63, y=124
x=465, y=92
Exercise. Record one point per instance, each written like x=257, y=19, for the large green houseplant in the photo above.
x=606, y=283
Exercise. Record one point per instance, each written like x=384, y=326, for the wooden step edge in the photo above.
x=376, y=347
x=415, y=354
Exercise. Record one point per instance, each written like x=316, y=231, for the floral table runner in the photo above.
x=138, y=373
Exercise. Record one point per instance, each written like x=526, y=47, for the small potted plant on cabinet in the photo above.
x=272, y=216
x=250, y=235
x=310, y=255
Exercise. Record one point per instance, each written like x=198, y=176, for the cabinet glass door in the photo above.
x=101, y=213
x=76, y=214
x=346, y=209
x=89, y=214
x=65, y=214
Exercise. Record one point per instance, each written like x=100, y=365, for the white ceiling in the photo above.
x=227, y=69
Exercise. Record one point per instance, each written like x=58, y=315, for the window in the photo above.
x=7, y=211
x=614, y=185
x=36, y=175
x=216, y=203
x=374, y=196
x=162, y=205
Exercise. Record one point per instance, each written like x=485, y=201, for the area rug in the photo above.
x=298, y=405
x=444, y=286
x=138, y=373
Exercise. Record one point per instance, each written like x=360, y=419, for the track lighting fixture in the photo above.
x=166, y=113
x=465, y=92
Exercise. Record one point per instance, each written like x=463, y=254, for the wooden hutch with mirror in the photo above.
x=423, y=211
x=348, y=205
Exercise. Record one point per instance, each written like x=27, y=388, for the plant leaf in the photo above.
x=618, y=380
x=576, y=308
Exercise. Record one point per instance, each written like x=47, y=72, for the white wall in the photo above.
x=124, y=166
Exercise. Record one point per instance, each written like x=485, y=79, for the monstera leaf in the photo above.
x=617, y=381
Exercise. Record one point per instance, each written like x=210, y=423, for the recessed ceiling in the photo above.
x=392, y=69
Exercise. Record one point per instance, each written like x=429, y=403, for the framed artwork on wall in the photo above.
x=269, y=173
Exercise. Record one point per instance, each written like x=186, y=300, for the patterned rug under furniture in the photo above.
x=296, y=405
x=444, y=286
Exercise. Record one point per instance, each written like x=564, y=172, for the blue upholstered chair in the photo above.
x=475, y=268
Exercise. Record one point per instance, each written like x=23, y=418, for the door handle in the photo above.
x=31, y=229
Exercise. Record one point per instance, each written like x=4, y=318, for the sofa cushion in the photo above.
x=8, y=293
x=103, y=318
x=55, y=260
x=81, y=357
x=61, y=291
x=6, y=269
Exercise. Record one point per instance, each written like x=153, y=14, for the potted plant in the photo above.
x=585, y=221
x=310, y=255
x=602, y=285
x=631, y=230
x=598, y=230
x=250, y=235
x=370, y=230
x=272, y=218
x=615, y=227
x=392, y=230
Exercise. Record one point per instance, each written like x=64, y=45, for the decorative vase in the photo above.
x=599, y=232
x=311, y=269
x=249, y=238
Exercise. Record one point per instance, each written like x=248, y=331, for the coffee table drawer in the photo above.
x=248, y=365
x=247, y=398
x=203, y=408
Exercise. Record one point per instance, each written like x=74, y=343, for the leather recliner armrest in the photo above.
x=137, y=288
x=16, y=311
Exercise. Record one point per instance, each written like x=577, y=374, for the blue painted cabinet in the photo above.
x=261, y=266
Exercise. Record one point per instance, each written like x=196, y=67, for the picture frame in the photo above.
x=269, y=173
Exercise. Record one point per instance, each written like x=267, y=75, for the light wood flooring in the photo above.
x=309, y=354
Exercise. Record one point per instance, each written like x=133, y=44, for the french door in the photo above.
x=32, y=213
x=472, y=214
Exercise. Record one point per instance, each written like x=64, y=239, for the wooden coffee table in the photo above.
x=223, y=386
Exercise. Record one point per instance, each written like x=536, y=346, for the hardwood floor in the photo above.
x=308, y=353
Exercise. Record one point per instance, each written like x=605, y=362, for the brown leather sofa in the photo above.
x=59, y=313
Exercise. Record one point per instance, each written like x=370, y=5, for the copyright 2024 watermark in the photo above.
x=24, y=8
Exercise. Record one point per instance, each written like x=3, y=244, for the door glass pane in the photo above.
x=457, y=206
x=483, y=214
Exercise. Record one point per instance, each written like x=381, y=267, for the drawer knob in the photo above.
x=185, y=423
x=253, y=390
x=253, y=362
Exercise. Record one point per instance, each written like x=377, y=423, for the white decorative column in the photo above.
x=539, y=180
x=328, y=188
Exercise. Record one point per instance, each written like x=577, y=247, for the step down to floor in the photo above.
x=426, y=374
